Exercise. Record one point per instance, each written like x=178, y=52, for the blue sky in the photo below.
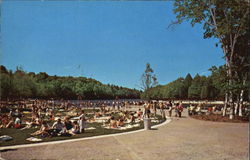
x=111, y=41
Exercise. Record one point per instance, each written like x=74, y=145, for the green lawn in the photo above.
x=20, y=136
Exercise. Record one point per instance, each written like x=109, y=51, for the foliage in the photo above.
x=228, y=22
x=30, y=85
x=199, y=87
x=148, y=80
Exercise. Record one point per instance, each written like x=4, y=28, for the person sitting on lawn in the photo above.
x=18, y=113
x=44, y=130
x=139, y=113
x=132, y=118
x=36, y=119
x=120, y=122
x=58, y=126
x=113, y=122
x=4, y=121
x=75, y=129
x=68, y=124
x=17, y=123
x=10, y=122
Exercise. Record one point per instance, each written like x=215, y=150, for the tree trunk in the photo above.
x=225, y=105
x=241, y=102
x=236, y=108
x=237, y=105
x=231, y=103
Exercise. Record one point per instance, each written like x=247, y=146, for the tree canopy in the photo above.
x=210, y=87
x=30, y=85
x=228, y=22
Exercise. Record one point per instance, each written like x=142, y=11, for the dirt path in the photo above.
x=181, y=139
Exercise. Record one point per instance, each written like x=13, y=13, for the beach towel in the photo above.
x=26, y=112
x=136, y=125
x=90, y=128
x=75, y=118
x=56, y=118
x=155, y=121
x=5, y=138
x=33, y=139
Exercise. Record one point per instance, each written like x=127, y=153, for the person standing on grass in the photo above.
x=82, y=122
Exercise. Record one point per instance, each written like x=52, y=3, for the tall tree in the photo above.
x=226, y=20
x=187, y=83
x=148, y=78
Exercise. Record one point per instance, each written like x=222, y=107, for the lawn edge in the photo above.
x=168, y=119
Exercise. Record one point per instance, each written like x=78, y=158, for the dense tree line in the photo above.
x=200, y=87
x=19, y=84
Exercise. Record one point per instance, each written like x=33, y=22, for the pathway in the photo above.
x=181, y=139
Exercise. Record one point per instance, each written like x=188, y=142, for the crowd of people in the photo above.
x=203, y=108
x=43, y=114
x=38, y=113
x=46, y=115
x=163, y=107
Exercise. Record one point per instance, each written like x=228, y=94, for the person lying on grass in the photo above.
x=58, y=129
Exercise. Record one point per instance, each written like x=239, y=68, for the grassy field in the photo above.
x=20, y=136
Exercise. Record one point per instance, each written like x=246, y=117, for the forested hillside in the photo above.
x=21, y=84
x=198, y=87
